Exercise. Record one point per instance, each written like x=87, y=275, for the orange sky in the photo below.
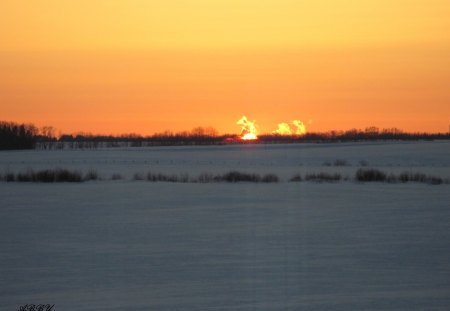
x=147, y=66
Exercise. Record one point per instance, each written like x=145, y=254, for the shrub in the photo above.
x=235, y=176
x=138, y=176
x=340, y=162
x=435, y=180
x=184, y=178
x=91, y=175
x=418, y=177
x=207, y=178
x=151, y=177
x=232, y=176
x=25, y=177
x=391, y=178
x=370, y=175
x=44, y=176
x=270, y=178
x=9, y=177
x=63, y=175
x=404, y=177
x=296, y=178
x=155, y=177
x=323, y=177
x=170, y=178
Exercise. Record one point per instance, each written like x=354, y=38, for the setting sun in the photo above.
x=248, y=129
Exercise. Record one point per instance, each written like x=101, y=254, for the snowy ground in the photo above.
x=135, y=245
x=284, y=160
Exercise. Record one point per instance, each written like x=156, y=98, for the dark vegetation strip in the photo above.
x=27, y=136
x=64, y=175
x=49, y=176
x=375, y=175
x=323, y=177
x=361, y=175
x=230, y=177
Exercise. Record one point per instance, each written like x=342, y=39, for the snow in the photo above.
x=285, y=160
x=135, y=245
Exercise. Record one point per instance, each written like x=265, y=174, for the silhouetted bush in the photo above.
x=207, y=178
x=155, y=177
x=435, y=180
x=91, y=175
x=391, y=178
x=235, y=176
x=340, y=162
x=25, y=177
x=45, y=176
x=296, y=178
x=9, y=177
x=419, y=177
x=323, y=177
x=270, y=178
x=184, y=178
x=64, y=175
x=370, y=175
x=152, y=177
x=405, y=177
x=172, y=178
x=138, y=176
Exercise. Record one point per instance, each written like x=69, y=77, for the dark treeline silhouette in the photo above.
x=28, y=136
x=17, y=136
x=190, y=138
x=133, y=140
x=368, y=134
x=14, y=136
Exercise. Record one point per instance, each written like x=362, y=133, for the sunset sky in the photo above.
x=147, y=66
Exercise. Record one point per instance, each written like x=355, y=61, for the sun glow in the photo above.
x=287, y=129
x=249, y=136
x=248, y=129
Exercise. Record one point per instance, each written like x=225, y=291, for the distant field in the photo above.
x=283, y=160
x=126, y=244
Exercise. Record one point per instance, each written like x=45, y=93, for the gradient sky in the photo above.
x=147, y=66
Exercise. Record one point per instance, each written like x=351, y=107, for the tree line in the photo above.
x=17, y=136
x=28, y=136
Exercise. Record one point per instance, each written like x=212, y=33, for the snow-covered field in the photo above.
x=136, y=245
x=284, y=160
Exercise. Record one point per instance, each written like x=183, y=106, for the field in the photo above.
x=127, y=244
